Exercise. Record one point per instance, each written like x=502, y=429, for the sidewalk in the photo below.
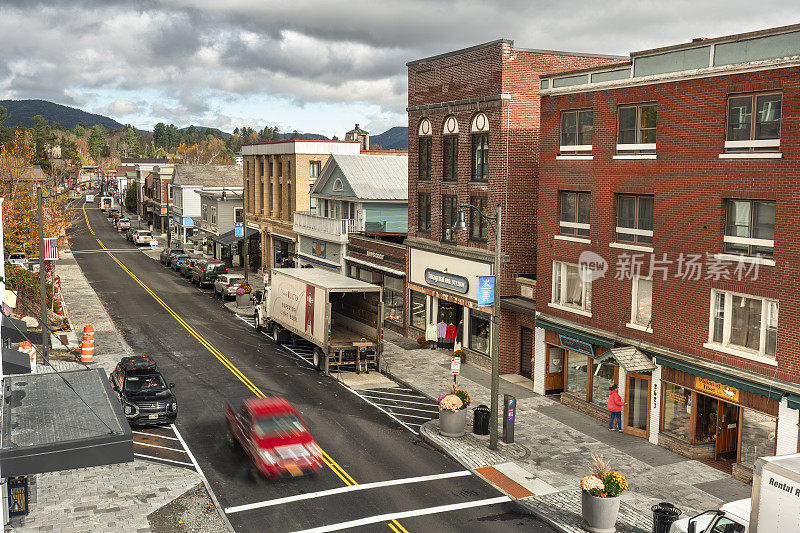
x=112, y=497
x=552, y=449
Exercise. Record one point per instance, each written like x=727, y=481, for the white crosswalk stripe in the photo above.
x=410, y=413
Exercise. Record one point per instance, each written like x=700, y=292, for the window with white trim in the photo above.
x=642, y=301
x=574, y=213
x=634, y=219
x=576, y=132
x=749, y=227
x=572, y=286
x=313, y=169
x=754, y=123
x=636, y=129
x=213, y=215
x=742, y=322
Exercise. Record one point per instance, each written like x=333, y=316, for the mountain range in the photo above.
x=23, y=111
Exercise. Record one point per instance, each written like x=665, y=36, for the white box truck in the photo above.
x=774, y=506
x=341, y=316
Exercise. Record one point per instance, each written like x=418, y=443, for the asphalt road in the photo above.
x=368, y=446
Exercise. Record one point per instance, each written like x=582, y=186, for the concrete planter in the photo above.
x=452, y=424
x=599, y=514
x=242, y=300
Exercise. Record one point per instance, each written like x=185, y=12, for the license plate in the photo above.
x=153, y=416
x=293, y=469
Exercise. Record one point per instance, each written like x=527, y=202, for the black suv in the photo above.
x=145, y=397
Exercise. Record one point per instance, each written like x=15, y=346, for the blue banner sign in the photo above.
x=238, y=229
x=486, y=291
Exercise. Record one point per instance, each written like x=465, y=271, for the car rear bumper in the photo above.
x=289, y=469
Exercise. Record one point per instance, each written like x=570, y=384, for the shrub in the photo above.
x=464, y=397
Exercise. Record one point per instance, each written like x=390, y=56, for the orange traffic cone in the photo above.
x=87, y=348
x=26, y=347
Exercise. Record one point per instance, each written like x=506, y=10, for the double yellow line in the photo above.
x=394, y=525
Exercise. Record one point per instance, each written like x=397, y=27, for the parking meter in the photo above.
x=509, y=414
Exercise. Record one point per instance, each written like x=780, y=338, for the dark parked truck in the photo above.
x=342, y=316
x=274, y=436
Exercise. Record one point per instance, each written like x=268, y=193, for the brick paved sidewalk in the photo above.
x=554, y=442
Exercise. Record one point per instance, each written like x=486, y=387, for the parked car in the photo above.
x=142, y=236
x=205, y=272
x=274, y=436
x=167, y=253
x=113, y=216
x=145, y=396
x=185, y=269
x=129, y=233
x=18, y=259
x=175, y=261
x=226, y=284
x=124, y=223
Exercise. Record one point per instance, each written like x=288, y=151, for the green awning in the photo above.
x=572, y=332
x=719, y=377
x=794, y=401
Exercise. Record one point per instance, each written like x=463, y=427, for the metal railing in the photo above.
x=332, y=226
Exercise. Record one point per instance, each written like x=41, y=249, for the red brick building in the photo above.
x=473, y=118
x=668, y=244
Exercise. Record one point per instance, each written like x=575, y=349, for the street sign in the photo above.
x=486, y=291
x=163, y=209
x=18, y=496
x=238, y=229
x=455, y=365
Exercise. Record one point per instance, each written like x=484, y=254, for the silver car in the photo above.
x=226, y=285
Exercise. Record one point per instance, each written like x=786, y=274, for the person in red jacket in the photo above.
x=615, y=404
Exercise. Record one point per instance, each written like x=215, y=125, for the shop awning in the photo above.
x=518, y=304
x=629, y=358
x=228, y=238
x=15, y=362
x=61, y=421
x=793, y=401
x=720, y=377
x=575, y=333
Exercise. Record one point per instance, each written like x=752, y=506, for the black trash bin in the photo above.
x=664, y=514
x=480, y=420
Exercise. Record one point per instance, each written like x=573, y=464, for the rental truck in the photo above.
x=341, y=316
x=105, y=203
x=773, y=507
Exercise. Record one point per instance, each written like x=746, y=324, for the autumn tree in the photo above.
x=211, y=152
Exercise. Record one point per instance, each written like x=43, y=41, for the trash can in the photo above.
x=480, y=420
x=664, y=514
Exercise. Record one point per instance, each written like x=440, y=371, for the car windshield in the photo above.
x=16, y=256
x=145, y=383
x=144, y=234
x=282, y=426
x=216, y=267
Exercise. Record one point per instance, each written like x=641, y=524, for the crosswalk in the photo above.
x=162, y=445
x=407, y=406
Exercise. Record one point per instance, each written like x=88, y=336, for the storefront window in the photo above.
x=602, y=379
x=706, y=424
x=758, y=436
x=393, y=299
x=677, y=411
x=479, y=331
x=417, y=305
x=577, y=366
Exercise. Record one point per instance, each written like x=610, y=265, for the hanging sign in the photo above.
x=17, y=496
x=576, y=345
x=163, y=209
x=455, y=365
x=726, y=392
x=486, y=291
x=238, y=229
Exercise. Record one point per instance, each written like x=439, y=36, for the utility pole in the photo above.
x=495, y=336
x=42, y=287
x=244, y=233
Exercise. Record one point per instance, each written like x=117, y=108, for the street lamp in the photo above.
x=495, y=223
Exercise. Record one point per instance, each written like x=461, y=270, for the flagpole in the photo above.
x=42, y=287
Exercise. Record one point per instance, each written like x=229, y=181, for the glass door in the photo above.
x=554, y=378
x=637, y=412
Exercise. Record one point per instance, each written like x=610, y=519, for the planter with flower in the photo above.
x=243, y=295
x=461, y=354
x=422, y=342
x=600, y=496
x=453, y=412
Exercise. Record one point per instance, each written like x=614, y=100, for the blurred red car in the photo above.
x=274, y=436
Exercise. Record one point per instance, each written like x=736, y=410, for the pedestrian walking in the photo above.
x=615, y=404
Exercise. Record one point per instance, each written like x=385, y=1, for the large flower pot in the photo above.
x=242, y=300
x=599, y=514
x=452, y=423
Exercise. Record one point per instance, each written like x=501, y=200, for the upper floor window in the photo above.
x=636, y=128
x=575, y=213
x=313, y=169
x=449, y=214
x=424, y=213
x=576, y=131
x=261, y=167
x=424, y=158
x=480, y=157
x=477, y=224
x=213, y=215
x=748, y=323
x=754, y=123
x=572, y=286
x=269, y=168
x=749, y=227
x=280, y=169
x=642, y=301
x=280, y=196
x=450, y=156
x=635, y=219
x=338, y=185
x=204, y=212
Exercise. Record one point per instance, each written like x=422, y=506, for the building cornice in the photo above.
x=465, y=101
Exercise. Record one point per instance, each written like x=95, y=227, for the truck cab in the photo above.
x=733, y=517
x=261, y=312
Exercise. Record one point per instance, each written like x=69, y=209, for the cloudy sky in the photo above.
x=314, y=66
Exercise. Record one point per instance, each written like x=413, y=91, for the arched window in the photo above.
x=450, y=126
x=425, y=127
x=480, y=123
x=337, y=185
x=424, y=155
x=450, y=149
x=480, y=148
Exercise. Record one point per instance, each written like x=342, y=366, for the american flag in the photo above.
x=51, y=248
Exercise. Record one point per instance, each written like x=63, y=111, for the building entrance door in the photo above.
x=525, y=351
x=637, y=412
x=554, y=375
x=727, y=431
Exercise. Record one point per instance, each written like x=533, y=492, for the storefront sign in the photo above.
x=376, y=255
x=318, y=249
x=163, y=209
x=446, y=281
x=17, y=496
x=575, y=345
x=726, y=392
x=238, y=229
x=485, y=291
x=455, y=365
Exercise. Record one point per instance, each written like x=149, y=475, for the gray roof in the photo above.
x=326, y=279
x=630, y=358
x=208, y=175
x=372, y=177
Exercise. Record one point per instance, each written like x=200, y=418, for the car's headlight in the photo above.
x=314, y=449
x=267, y=457
x=130, y=410
x=173, y=406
